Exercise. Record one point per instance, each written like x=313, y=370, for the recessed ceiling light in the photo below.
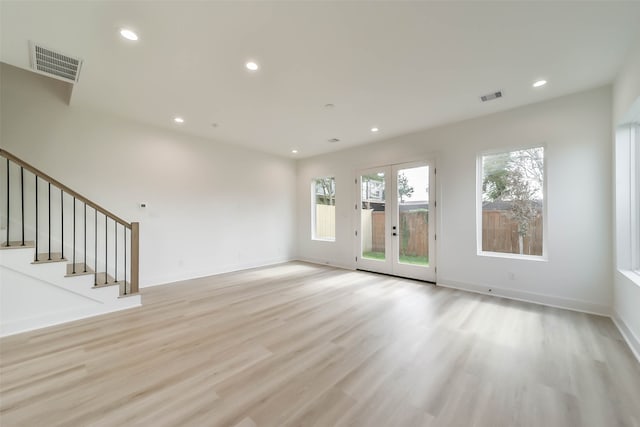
x=294, y=151
x=374, y=129
x=178, y=119
x=252, y=66
x=540, y=83
x=329, y=106
x=332, y=140
x=128, y=34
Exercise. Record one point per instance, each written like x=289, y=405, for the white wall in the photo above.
x=576, y=131
x=27, y=303
x=626, y=88
x=37, y=296
x=212, y=207
x=626, y=302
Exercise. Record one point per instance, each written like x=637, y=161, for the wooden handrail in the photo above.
x=63, y=187
x=134, y=226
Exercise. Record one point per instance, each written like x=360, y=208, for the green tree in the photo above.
x=326, y=191
x=516, y=177
x=523, y=204
x=495, y=176
x=404, y=189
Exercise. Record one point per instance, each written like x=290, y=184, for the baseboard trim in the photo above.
x=541, y=299
x=632, y=340
x=325, y=263
x=156, y=281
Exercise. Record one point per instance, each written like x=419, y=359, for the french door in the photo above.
x=396, y=218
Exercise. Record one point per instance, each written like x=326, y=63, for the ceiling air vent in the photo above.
x=491, y=96
x=54, y=64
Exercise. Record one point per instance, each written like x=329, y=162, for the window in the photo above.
x=627, y=186
x=511, y=202
x=323, y=209
x=636, y=194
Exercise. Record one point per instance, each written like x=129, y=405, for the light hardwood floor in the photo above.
x=305, y=345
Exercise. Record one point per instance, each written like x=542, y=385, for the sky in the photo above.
x=419, y=180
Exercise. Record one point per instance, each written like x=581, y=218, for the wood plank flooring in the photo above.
x=304, y=345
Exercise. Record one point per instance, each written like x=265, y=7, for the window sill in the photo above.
x=633, y=276
x=315, y=239
x=542, y=258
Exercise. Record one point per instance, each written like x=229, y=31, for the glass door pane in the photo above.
x=373, y=216
x=413, y=215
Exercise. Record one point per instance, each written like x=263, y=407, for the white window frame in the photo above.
x=313, y=209
x=627, y=197
x=634, y=196
x=479, y=180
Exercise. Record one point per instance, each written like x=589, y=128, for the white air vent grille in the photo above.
x=55, y=64
x=491, y=96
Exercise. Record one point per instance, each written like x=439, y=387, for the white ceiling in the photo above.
x=400, y=66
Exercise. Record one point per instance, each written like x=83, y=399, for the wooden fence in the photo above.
x=325, y=222
x=415, y=239
x=377, y=231
x=500, y=234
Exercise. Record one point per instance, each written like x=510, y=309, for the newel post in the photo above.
x=135, y=256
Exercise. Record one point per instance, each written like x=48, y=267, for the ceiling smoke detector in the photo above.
x=54, y=64
x=491, y=96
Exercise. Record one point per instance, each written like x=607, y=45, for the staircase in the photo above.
x=63, y=257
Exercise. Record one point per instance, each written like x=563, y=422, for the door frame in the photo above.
x=377, y=266
x=391, y=264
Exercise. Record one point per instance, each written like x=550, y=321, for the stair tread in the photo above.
x=43, y=258
x=17, y=244
x=100, y=279
x=80, y=267
x=130, y=295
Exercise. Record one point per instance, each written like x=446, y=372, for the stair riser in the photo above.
x=36, y=295
x=20, y=260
